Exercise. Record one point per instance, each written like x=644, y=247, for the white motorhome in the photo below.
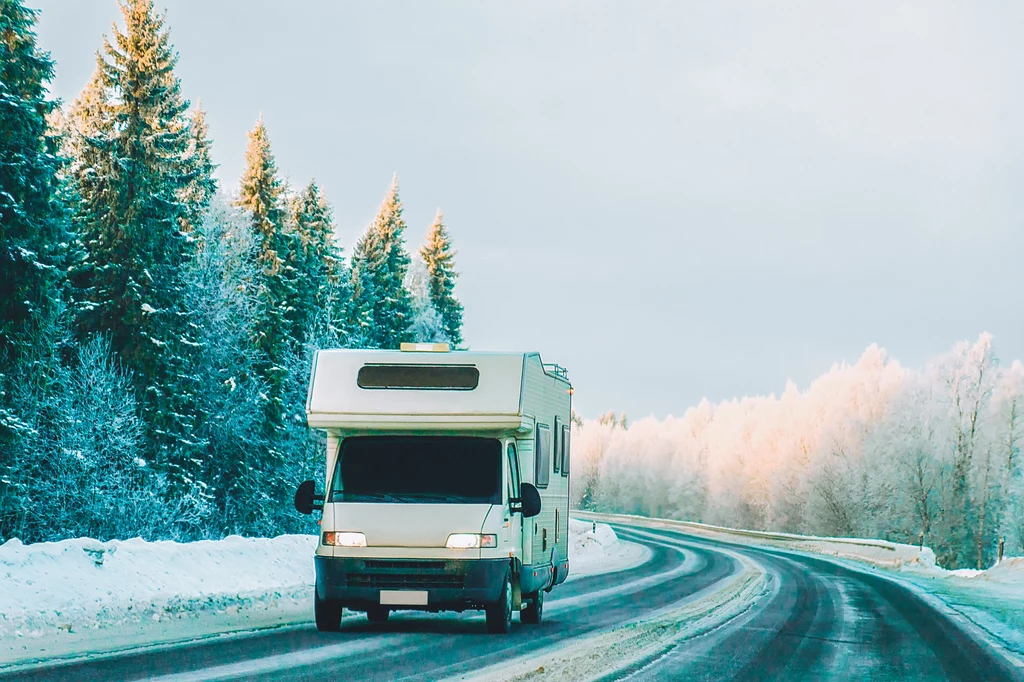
x=447, y=482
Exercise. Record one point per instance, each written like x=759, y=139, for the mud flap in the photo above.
x=517, y=590
x=554, y=569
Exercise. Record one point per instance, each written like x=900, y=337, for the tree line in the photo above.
x=155, y=333
x=871, y=450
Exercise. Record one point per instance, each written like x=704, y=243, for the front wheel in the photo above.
x=499, y=614
x=327, y=613
x=534, y=610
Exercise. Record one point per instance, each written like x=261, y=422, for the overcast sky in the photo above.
x=673, y=200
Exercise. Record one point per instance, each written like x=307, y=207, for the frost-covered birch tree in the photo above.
x=870, y=449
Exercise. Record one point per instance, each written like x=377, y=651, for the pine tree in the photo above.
x=134, y=166
x=33, y=236
x=381, y=303
x=439, y=257
x=34, y=247
x=323, y=290
x=200, y=186
x=261, y=195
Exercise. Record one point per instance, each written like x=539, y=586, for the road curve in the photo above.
x=823, y=621
x=416, y=646
x=816, y=621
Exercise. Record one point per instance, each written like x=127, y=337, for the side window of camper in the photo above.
x=513, y=472
x=557, y=455
x=565, y=449
x=542, y=454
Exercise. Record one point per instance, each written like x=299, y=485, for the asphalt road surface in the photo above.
x=821, y=621
x=816, y=621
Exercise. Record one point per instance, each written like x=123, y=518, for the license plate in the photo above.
x=403, y=597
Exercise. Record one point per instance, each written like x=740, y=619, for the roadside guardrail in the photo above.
x=707, y=528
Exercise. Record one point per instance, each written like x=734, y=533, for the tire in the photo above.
x=327, y=613
x=377, y=614
x=499, y=614
x=534, y=610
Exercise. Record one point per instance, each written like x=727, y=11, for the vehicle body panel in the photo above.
x=405, y=541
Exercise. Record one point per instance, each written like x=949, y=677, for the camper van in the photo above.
x=446, y=485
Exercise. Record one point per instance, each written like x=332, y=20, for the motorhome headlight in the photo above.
x=344, y=539
x=471, y=541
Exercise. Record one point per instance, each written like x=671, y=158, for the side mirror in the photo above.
x=306, y=499
x=529, y=500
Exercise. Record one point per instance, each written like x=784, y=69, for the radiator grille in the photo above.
x=407, y=574
x=406, y=581
x=404, y=565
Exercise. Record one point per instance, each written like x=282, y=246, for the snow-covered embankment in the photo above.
x=80, y=596
x=594, y=548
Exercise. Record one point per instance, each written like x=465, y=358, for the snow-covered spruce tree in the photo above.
x=323, y=288
x=439, y=257
x=33, y=237
x=34, y=251
x=359, y=316
x=134, y=167
x=261, y=196
x=200, y=185
x=381, y=303
x=304, y=451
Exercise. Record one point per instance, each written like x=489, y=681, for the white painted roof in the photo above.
x=336, y=400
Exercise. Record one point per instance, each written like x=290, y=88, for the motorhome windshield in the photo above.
x=421, y=469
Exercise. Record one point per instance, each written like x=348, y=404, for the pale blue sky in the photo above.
x=673, y=200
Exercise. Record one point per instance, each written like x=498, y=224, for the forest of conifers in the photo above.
x=156, y=329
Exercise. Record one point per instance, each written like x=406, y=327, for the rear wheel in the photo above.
x=499, y=614
x=534, y=610
x=377, y=614
x=327, y=613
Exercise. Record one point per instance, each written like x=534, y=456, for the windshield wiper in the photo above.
x=438, y=497
x=372, y=496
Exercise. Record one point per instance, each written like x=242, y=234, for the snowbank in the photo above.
x=595, y=549
x=82, y=583
x=84, y=596
x=109, y=594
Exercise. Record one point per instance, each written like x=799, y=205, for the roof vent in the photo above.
x=425, y=348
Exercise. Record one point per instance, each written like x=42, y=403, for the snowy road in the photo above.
x=823, y=621
x=801, y=618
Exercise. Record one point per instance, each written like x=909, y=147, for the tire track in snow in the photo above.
x=613, y=652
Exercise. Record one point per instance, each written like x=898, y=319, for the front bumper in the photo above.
x=451, y=584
